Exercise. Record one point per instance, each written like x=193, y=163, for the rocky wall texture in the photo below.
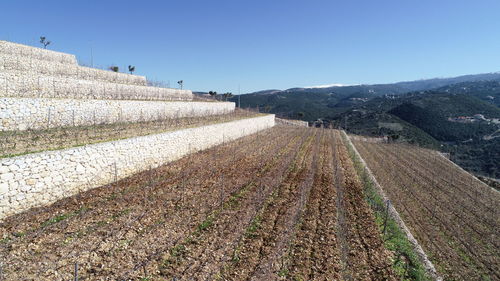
x=36, y=53
x=18, y=114
x=42, y=178
x=291, y=122
x=57, y=69
x=25, y=85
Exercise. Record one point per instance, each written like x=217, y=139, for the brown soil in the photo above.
x=453, y=216
x=264, y=207
x=23, y=142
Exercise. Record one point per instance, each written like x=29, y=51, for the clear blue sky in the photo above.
x=220, y=44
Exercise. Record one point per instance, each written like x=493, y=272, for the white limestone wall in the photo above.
x=291, y=122
x=26, y=85
x=35, y=67
x=36, y=53
x=27, y=113
x=27, y=71
x=42, y=178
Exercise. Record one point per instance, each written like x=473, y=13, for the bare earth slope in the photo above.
x=454, y=217
x=281, y=204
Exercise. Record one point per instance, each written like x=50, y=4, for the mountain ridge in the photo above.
x=412, y=85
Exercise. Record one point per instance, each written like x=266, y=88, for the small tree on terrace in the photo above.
x=213, y=94
x=44, y=42
x=131, y=69
x=114, y=68
x=228, y=95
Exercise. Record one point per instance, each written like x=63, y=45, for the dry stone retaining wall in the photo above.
x=42, y=178
x=57, y=69
x=27, y=71
x=25, y=85
x=290, y=122
x=36, y=53
x=27, y=113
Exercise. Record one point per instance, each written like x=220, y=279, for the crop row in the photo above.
x=454, y=217
x=281, y=204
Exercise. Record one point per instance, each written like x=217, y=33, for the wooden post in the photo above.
x=76, y=271
x=386, y=216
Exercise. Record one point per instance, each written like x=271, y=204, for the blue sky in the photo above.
x=255, y=44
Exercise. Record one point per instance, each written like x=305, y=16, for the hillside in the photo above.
x=421, y=117
x=266, y=203
x=488, y=91
x=312, y=103
x=452, y=215
x=261, y=207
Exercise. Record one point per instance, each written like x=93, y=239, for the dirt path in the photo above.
x=315, y=251
x=272, y=223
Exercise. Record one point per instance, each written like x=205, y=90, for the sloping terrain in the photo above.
x=24, y=142
x=454, y=216
x=281, y=204
x=327, y=102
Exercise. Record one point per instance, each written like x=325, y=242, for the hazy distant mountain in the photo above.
x=389, y=88
x=323, y=101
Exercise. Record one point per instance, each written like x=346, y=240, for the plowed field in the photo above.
x=455, y=217
x=282, y=204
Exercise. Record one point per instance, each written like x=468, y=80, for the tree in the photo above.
x=213, y=94
x=131, y=69
x=181, y=83
x=227, y=95
x=300, y=114
x=44, y=42
x=114, y=68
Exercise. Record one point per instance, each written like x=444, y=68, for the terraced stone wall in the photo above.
x=27, y=71
x=40, y=113
x=291, y=122
x=36, y=53
x=26, y=85
x=58, y=69
x=42, y=178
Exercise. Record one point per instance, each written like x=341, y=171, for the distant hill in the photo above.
x=422, y=118
x=389, y=88
x=416, y=112
x=312, y=103
x=488, y=91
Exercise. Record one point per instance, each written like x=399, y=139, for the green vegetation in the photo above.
x=131, y=69
x=406, y=263
x=435, y=124
x=487, y=90
x=254, y=226
x=44, y=42
x=205, y=224
x=62, y=217
x=412, y=112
